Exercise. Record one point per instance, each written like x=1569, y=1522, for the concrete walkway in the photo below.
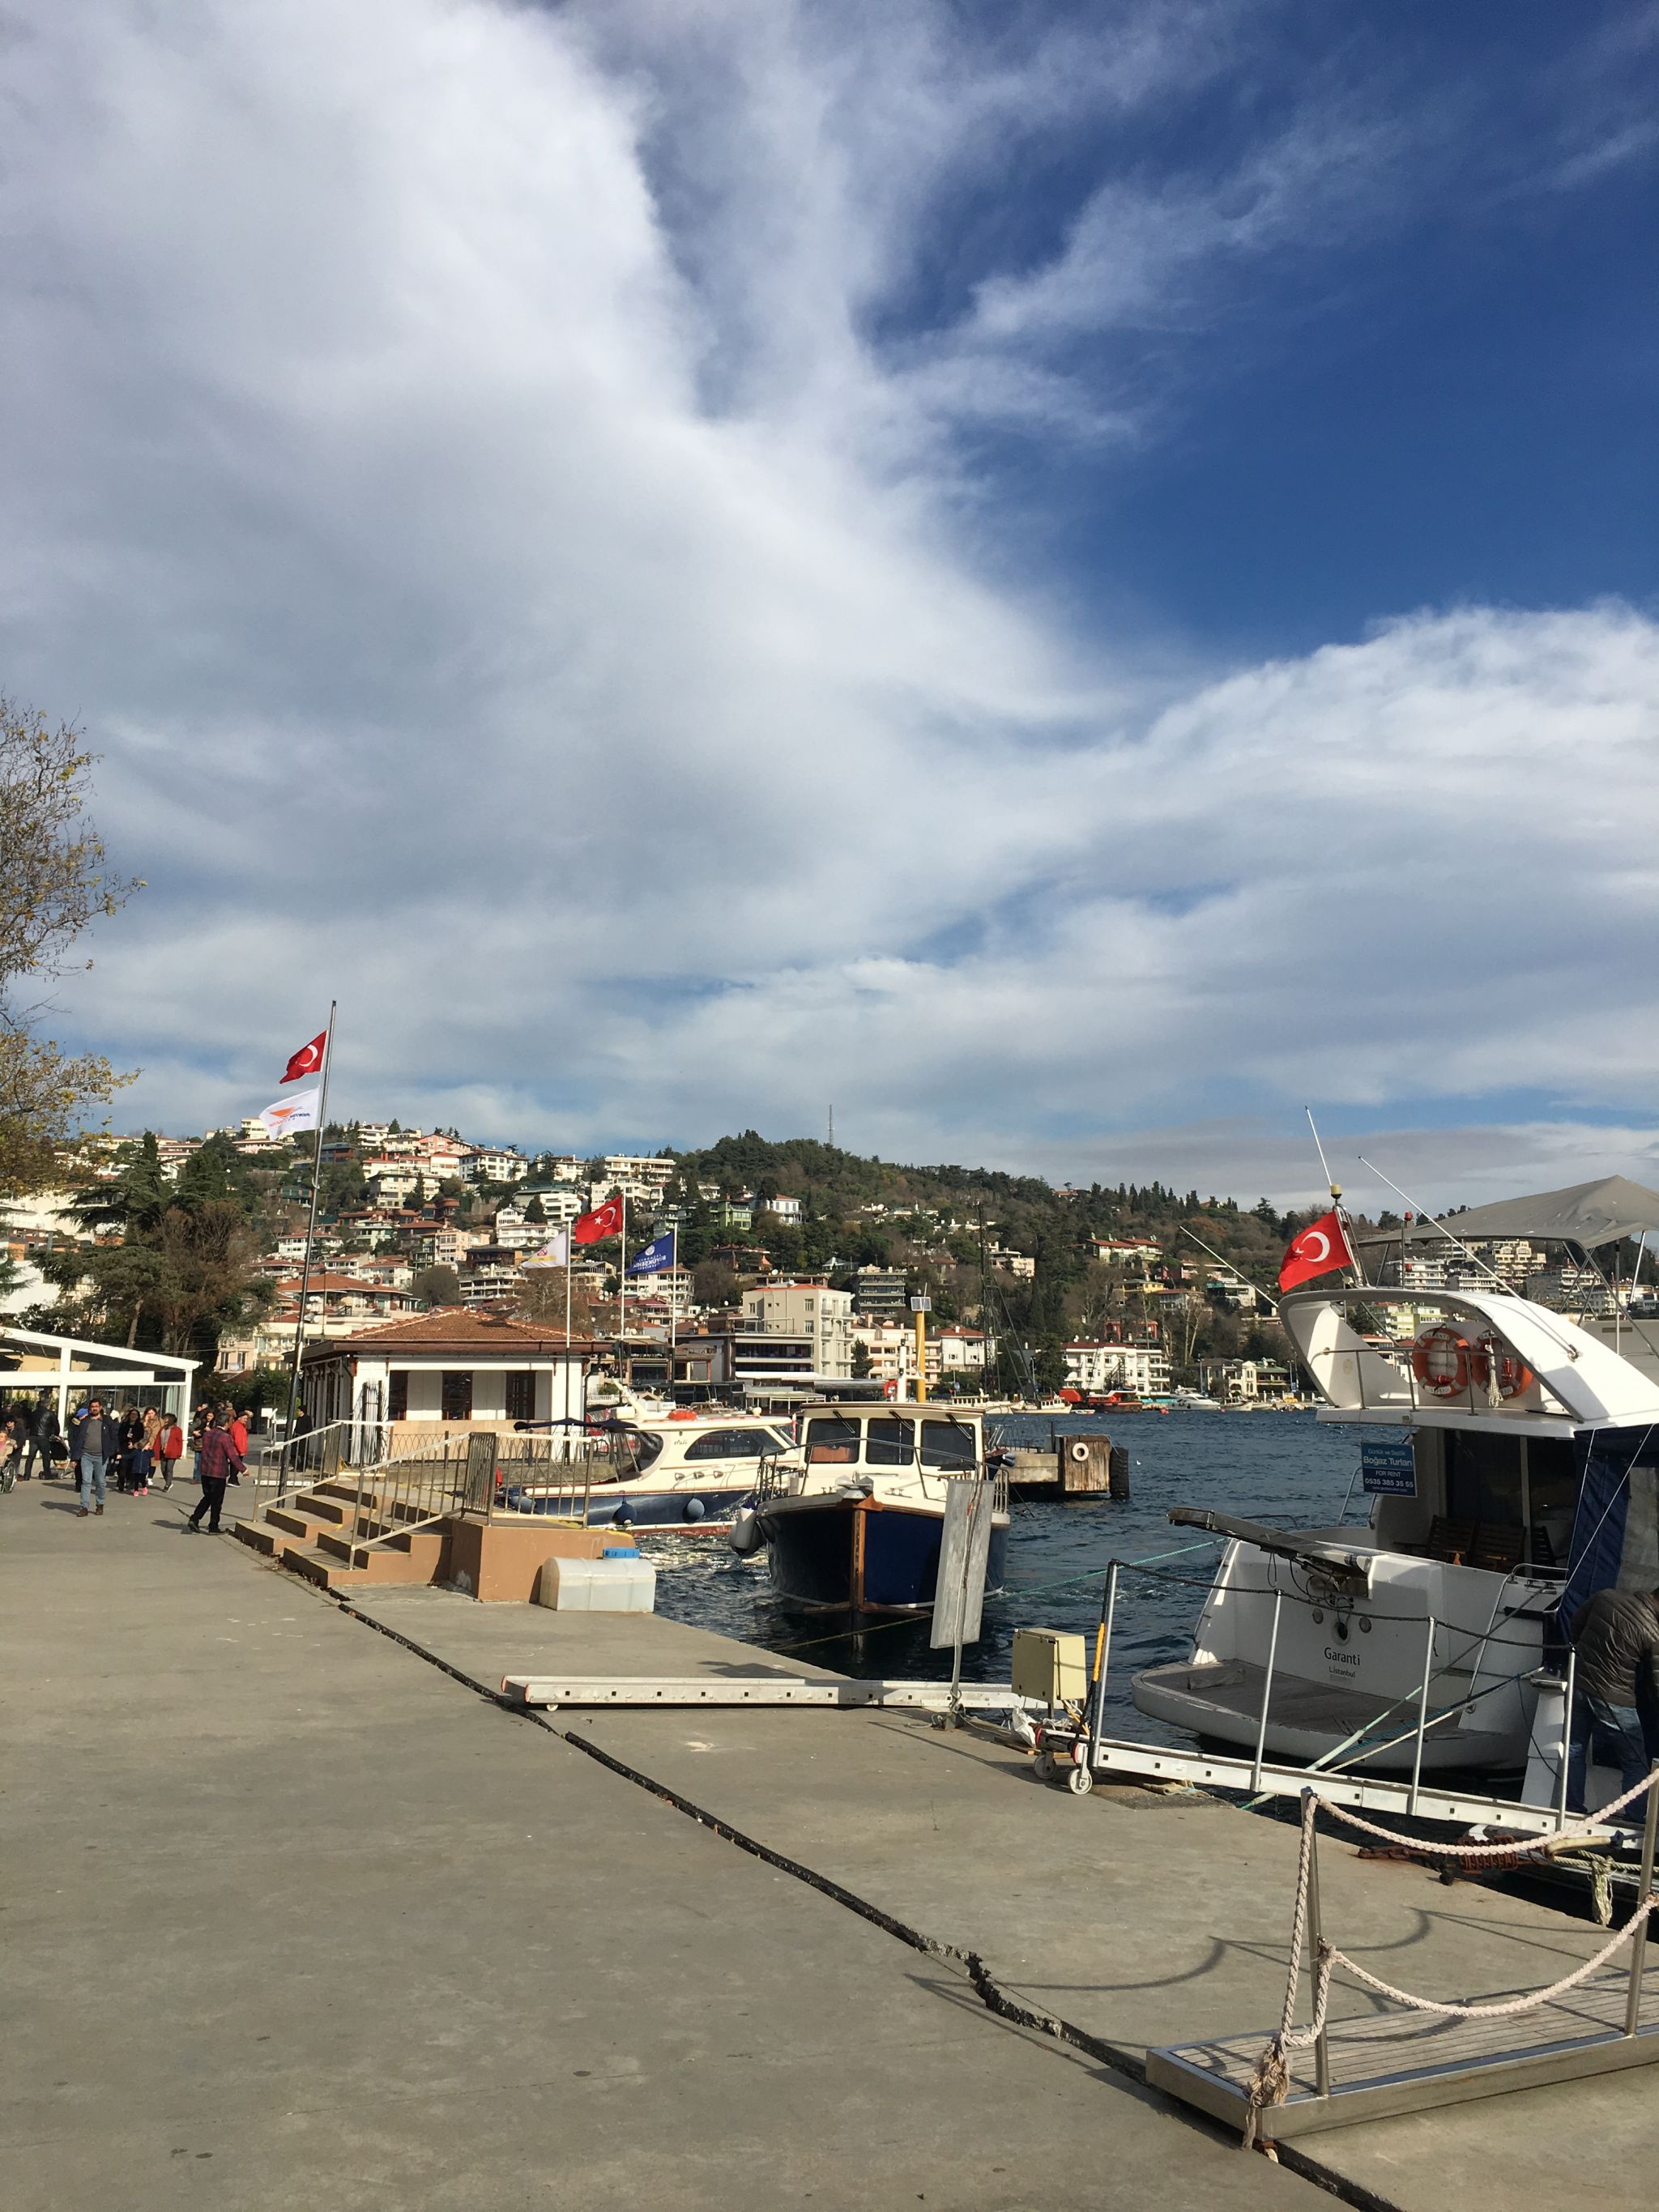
x=1138, y=1918
x=294, y=1919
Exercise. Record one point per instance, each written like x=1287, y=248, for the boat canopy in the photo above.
x=1585, y=1213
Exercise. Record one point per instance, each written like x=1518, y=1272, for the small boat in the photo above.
x=853, y=1517
x=1194, y=1401
x=665, y=1471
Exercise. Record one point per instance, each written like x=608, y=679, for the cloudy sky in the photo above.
x=1063, y=579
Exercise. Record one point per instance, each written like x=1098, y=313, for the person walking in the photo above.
x=1615, y=1707
x=169, y=1449
x=43, y=1435
x=199, y=1428
x=236, y=1426
x=219, y=1461
x=101, y=1442
x=129, y=1474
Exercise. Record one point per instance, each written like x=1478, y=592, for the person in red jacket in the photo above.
x=169, y=1449
x=220, y=1461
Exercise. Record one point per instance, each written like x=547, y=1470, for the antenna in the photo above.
x=832, y=1128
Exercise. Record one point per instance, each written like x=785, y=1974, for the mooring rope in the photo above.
x=1591, y=1824
x=1270, y=2082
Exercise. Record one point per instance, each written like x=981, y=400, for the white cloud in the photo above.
x=465, y=481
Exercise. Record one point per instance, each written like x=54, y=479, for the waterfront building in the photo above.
x=1141, y=1368
x=807, y=1310
x=449, y=1369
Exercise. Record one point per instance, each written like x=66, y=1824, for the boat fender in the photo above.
x=1119, y=1470
x=1079, y=1451
x=744, y=1535
x=624, y=1515
x=695, y=1509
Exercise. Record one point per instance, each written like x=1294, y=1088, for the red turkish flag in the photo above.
x=604, y=1221
x=308, y=1059
x=1318, y=1248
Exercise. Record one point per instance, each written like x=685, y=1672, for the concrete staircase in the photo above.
x=309, y=1534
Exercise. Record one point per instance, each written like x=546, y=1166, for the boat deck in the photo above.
x=1385, y=2064
x=1236, y=1686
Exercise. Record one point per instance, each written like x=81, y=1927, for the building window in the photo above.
x=457, y=1400
x=396, y=1394
x=522, y=1395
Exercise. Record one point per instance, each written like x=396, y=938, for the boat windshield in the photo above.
x=891, y=1443
x=831, y=1439
x=948, y=1445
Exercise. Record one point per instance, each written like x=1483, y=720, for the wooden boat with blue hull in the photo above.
x=853, y=1517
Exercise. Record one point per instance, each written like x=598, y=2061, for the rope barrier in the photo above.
x=1591, y=1824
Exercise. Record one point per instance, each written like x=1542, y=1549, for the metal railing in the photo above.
x=373, y=1498
x=1371, y=1738
x=774, y=1480
x=299, y=1462
x=545, y=1477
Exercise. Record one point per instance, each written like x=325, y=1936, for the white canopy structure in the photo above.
x=70, y=1367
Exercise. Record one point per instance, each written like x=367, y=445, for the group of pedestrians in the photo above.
x=132, y=1447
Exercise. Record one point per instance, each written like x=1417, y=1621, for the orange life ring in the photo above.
x=1442, y=1362
x=1515, y=1377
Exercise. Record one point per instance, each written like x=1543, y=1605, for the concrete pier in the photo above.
x=297, y=1914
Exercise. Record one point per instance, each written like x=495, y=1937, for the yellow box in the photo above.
x=1051, y=1664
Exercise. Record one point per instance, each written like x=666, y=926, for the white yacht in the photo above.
x=1513, y=1455
x=677, y=1470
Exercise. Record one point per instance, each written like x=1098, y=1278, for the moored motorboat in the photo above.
x=1513, y=1469
x=671, y=1472
x=853, y=1518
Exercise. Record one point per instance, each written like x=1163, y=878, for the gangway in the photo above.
x=1418, y=2052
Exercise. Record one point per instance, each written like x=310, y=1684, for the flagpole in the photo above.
x=311, y=1225
x=569, y=1260
x=622, y=1293
x=1346, y=1226
x=674, y=1301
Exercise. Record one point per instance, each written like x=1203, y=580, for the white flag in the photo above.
x=555, y=1253
x=288, y=1115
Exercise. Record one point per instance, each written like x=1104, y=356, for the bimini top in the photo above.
x=1586, y=1214
x=1480, y=1359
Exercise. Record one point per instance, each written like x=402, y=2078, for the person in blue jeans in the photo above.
x=100, y=1441
x=1615, y=1707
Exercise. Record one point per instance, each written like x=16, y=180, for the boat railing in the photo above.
x=1371, y=1739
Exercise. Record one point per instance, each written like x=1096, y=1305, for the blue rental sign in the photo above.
x=1386, y=1467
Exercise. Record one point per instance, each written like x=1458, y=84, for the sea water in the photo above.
x=1283, y=1468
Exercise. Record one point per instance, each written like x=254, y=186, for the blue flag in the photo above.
x=657, y=1257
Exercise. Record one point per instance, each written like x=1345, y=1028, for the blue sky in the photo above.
x=1063, y=579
